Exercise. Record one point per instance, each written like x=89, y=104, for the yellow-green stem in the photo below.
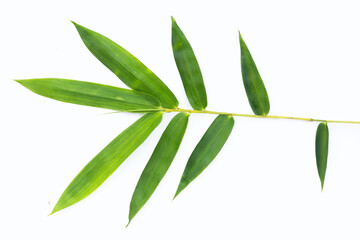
x=257, y=116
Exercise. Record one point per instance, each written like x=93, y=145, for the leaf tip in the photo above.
x=242, y=42
x=173, y=23
x=177, y=192
x=77, y=26
x=128, y=223
x=59, y=206
x=53, y=211
x=173, y=20
x=322, y=180
x=73, y=22
x=240, y=35
x=131, y=216
x=180, y=188
x=21, y=81
x=17, y=80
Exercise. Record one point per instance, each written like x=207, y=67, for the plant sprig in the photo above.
x=150, y=96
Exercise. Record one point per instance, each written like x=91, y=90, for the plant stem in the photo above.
x=257, y=116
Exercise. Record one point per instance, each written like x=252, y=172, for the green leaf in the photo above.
x=92, y=94
x=108, y=160
x=159, y=162
x=321, y=149
x=188, y=68
x=127, y=67
x=254, y=86
x=207, y=149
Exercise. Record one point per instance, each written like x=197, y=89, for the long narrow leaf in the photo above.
x=92, y=94
x=159, y=162
x=207, y=149
x=127, y=67
x=188, y=68
x=321, y=149
x=108, y=160
x=254, y=86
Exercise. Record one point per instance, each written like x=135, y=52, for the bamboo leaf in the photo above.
x=127, y=67
x=159, y=162
x=254, y=86
x=108, y=160
x=321, y=149
x=207, y=149
x=92, y=94
x=188, y=68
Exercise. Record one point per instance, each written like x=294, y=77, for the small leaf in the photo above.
x=321, y=149
x=254, y=86
x=92, y=94
x=159, y=162
x=188, y=68
x=127, y=67
x=108, y=160
x=207, y=149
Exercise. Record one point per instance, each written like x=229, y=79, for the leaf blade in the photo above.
x=108, y=160
x=189, y=68
x=207, y=149
x=159, y=162
x=127, y=67
x=254, y=86
x=92, y=94
x=321, y=150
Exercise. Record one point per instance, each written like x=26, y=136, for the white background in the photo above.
x=262, y=185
